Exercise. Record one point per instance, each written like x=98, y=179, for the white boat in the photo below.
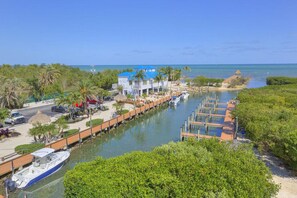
x=175, y=100
x=45, y=163
x=185, y=95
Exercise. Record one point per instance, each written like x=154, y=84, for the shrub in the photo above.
x=95, y=122
x=70, y=132
x=280, y=80
x=123, y=111
x=269, y=116
x=186, y=169
x=28, y=148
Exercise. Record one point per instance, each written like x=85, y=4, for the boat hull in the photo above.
x=25, y=177
x=44, y=175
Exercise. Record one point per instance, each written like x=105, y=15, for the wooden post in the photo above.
x=108, y=125
x=66, y=143
x=180, y=134
x=198, y=134
x=12, y=167
x=79, y=138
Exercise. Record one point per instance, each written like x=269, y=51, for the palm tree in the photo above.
x=13, y=93
x=61, y=124
x=70, y=101
x=168, y=71
x=187, y=68
x=120, y=89
x=140, y=75
x=48, y=76
x=3, y=113
x=176, y=74
x=159, y=78
x=87, y=90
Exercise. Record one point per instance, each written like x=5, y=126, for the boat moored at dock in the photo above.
x=46, y=162
x=174, y=100
x=185, y=95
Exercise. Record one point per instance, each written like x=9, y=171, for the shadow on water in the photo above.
x=155, y=128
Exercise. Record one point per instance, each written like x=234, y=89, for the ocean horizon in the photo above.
x=257, y=72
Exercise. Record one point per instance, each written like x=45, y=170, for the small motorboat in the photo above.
x=185, y=95
x=45, y=163
x=174, y=101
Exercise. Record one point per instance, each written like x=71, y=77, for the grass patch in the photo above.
x=95, y=122
x=123, y=111
x=70, y=132
x=28, y=148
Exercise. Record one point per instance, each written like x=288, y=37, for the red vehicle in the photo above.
x=89, y=101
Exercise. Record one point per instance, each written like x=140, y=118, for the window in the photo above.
x=130, y=82
x=145, y=82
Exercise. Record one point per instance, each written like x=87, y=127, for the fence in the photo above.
x=10, y=166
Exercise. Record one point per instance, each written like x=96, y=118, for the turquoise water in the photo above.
x=156, y=127
x=259, y=72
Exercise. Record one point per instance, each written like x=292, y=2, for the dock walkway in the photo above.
x=13, y=164
x=228, y=127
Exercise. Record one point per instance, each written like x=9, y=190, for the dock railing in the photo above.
x=13, y=164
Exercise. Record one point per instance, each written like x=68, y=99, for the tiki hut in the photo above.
x=238, y=73
x=39, y=118
x=120, y=98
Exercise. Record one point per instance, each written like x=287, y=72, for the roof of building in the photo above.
x=131, y=75
x=148, y=73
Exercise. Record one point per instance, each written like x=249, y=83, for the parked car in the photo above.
x=15, y=118
x=93, y=101
x=60, y=109
x=108, y=98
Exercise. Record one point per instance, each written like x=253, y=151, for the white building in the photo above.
x=131, y=85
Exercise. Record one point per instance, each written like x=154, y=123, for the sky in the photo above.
x=123, y=32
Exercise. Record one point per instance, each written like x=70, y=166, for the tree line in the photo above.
x=41, y=81
x=269, y=117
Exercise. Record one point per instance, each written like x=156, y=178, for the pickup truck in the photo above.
x=15, y=118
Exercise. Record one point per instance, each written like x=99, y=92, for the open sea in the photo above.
x=257, y=72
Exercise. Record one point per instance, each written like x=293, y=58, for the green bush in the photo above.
x=123, y=111
x=204, y=81
x=280, y=80
x=186, y=169
x=95, y=122
x=70, y=132
x=269, y=116
x=28, y=148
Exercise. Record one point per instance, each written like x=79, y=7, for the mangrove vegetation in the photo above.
x=204, y=168
x=269, y=117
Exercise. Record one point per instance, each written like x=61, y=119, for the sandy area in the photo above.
x=281, y=175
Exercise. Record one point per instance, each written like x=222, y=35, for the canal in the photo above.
x=155, y=128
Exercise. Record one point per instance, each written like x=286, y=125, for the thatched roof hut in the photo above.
x=39, y=118
x=120, y=98
x=238, y=73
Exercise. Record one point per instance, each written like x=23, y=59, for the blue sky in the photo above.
x=127, y=32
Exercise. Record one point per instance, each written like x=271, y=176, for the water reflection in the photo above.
x=155, y=128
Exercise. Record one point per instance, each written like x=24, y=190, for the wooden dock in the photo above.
x=213, y=103
x=211, y=115
x=228, y=127
x=187, y=135
x=215, y=109
x=13, y=164
x=209, y=124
